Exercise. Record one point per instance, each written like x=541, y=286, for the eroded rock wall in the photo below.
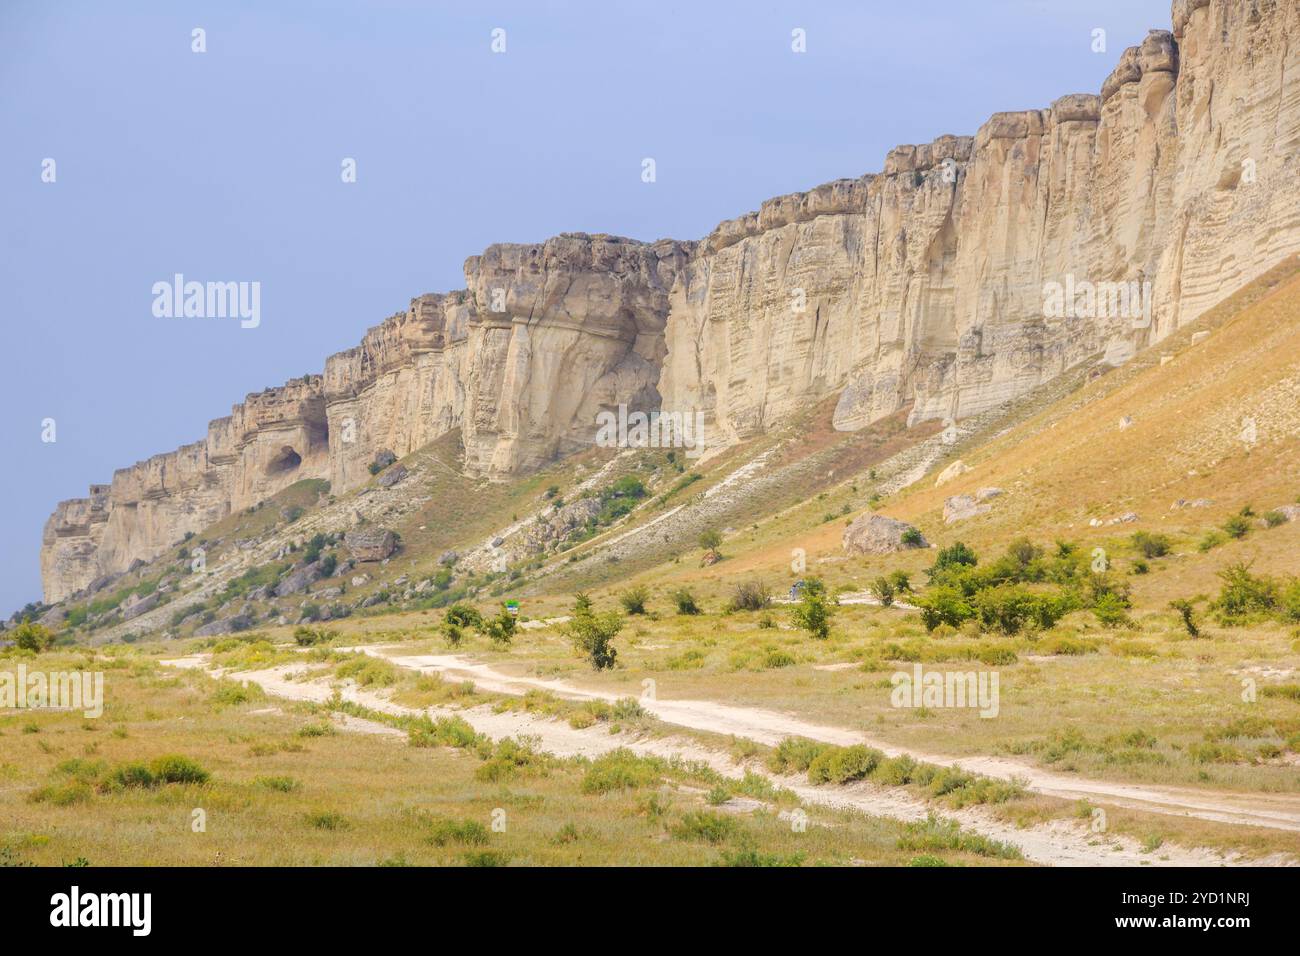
x=924, y=284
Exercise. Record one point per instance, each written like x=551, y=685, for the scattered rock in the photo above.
x=961, y=507
x=1194, y=503
x=383, y=458
x=448, y=558
x=1125, y=422
x=876, y=534
x=984, y=494
x=955, y=470
x=545, y=533
x=359, y=580
x=1199, y=337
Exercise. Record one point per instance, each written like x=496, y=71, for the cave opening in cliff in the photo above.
x=287, y=460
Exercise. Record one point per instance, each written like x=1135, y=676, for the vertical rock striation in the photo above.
x=923, y=285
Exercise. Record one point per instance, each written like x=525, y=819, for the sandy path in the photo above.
x=1060, y=843
x=1277, y=811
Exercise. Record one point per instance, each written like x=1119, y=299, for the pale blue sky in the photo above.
x=225, y=166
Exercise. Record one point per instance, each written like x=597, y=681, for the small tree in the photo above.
x=1185, y=611
x=32, y=637
x=813, y=612
x=953, y=556
x=592, y=633
x=500, y=629
x=902, y=581
x=883, y=590
x=710, y=541
x=464, y=615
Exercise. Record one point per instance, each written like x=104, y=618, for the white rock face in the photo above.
x=927, y=284
x=931, y=285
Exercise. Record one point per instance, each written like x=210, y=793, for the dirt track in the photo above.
x=1056, y=843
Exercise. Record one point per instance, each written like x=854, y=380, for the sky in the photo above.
x=226, y=165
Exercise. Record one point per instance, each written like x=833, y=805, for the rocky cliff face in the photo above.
x=927, y=284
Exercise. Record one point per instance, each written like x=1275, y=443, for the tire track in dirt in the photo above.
x=1058, y=843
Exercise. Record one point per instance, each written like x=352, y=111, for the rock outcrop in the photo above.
x=967, y=271
x=876, y=534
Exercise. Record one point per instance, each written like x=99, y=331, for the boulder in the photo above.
x=370, y=544
x=392, y=476
x=227, y=625
x=134, y=606
x=955, y=470
x=876, y=534
x=297, y=580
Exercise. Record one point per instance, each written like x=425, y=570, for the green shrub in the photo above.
x=1111, y=611
x=500, y=629
x=465, y=832
x=1151, y=545
x=750, y=596
x=1244, y=594
x=29, y=636
x=619, y=770
x=130, y=776
x=1210, y=540
x=813, y=612
x=843, y=764
x=935, y=834
x=794, y=755
x=1274, y=518
x=704, y=826
x=882, y=588
x=956, y=555
x=944, y=605
x=634, y=600
x=685, y=601
x=174, y=768
x=593, y=634
x=463, y=615
x=1238, y=526
x=310, y=636
x=1186, y=615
